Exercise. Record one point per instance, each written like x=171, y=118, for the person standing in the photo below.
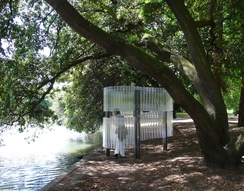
x=122, y=132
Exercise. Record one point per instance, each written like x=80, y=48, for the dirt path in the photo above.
x=178, y=168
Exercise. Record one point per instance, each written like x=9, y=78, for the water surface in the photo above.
x=28, y=165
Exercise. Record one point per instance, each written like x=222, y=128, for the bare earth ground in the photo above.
x=179, y=168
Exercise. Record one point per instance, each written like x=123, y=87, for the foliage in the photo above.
x=30, y=26
x=86, y=91
x=232, y=95
x=28, y=73
x=19, y=93
x=58, y=106
x=25, y=72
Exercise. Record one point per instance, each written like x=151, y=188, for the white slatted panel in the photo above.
x=155, y=104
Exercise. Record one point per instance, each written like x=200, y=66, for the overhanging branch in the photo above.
x=72, y=64
x=49, y=83
x=66, y=68
x=165, y=55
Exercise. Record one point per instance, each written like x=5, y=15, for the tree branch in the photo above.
x=72, y=64
x=165, y=55
x=16, y=117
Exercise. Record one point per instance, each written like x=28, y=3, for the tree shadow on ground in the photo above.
x=178, y=168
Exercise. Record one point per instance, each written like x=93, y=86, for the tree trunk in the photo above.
x=205, y=83
x=241, y=106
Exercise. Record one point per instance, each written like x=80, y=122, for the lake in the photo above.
x=30, y=160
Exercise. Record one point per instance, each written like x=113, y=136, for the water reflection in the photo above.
x=26, y=166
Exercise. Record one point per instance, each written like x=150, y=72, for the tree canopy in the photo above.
x=187, y=47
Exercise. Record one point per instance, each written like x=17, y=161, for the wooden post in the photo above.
x=137, y=123
x=165, y=134
x=108, y=114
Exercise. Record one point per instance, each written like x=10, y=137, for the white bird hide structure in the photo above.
x=155, y=108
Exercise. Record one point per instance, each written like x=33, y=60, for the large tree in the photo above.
x=147, y=34
x=210, y=115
